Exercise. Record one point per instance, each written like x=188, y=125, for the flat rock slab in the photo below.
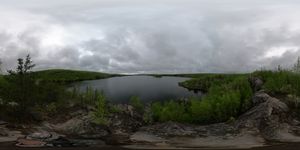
x=3, y=122
x=145, y=137
x=11, y=136
x=239, y=141
x=150, y=141
x=30, y=143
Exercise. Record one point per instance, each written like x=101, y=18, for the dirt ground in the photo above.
x=10, y=146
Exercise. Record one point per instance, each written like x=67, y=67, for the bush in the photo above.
x=280, y=82
x=21, y=88
x=222, y=102
x=169, y=111
x=100, y=112
x=137, y=104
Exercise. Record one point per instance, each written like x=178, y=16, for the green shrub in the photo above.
x=222, y=102
x=280, y=82
x=68, y=76
x=169, y=111
x=203, y=82
x=201, y=111
x=99, y=115
x=114, y=109
x=137, y=104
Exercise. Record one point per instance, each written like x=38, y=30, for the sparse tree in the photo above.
x=0, y=67
x=23, y=67
x=296, y=67
x=21, y=86
x=279, y=68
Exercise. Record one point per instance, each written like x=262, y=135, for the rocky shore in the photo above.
x=268, y=121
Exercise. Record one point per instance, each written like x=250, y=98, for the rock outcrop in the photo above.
x=269, y=117
x=81, y=127
x=7, y=135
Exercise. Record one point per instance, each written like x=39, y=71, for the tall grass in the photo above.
x=100, y=112
x=280, y=82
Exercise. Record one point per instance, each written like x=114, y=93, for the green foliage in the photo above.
x=2, y=80
x=68, y=76
x=100, y=112
x=280, y=82
x=22, y=89
x=137, y=104
x=87, y=98
x=19, y=89
x=169, y=111
x=148, y=116
x=222, y=102
x=203, y=82
x=114, y=109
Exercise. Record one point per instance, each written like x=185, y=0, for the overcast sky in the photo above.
x=151, y=36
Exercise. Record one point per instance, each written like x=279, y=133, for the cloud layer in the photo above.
x=136, y=36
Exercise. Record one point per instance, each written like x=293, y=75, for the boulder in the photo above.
x=82, y=127
x=39, y=135
x=122, y=123
x=3, y=123
x=256, y=83
x=269, y=117
x=7, y=135
x=3, y=132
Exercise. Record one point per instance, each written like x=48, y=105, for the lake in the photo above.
x=147, y=88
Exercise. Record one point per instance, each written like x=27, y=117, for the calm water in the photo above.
x=148, y=88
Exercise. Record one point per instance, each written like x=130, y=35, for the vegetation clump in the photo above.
x=222, y=102
x=69, y=76
x=99, y=115
x=137, y=104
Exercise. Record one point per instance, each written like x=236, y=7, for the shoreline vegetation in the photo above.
x=32, y=98
x=70, y=76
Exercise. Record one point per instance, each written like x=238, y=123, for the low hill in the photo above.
x=62, y=75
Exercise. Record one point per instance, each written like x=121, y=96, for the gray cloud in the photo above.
x=136, y=36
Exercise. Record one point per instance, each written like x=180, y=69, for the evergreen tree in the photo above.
x=21, y=87
x=296, y=67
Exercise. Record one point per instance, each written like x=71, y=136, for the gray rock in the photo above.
x=3, y=132
x=171, y=129
x=269, y=117
x=82, y=127
x=256, y=83
x=126, y=121
x=39, y=135
x=3, y=122
x=260, y=97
